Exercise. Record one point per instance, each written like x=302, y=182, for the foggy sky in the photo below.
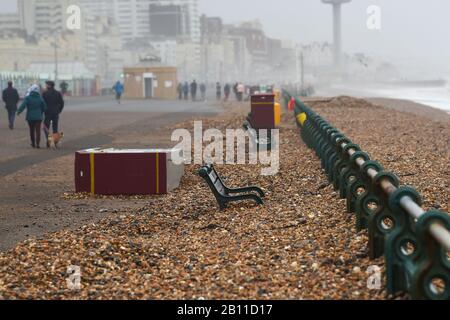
x=7, y=6
x=413, y=31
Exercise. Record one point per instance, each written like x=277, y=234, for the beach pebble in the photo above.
x=302, y=244
x=356, y=270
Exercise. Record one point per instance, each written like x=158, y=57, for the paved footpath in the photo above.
x=32, y=181
x=88, y=122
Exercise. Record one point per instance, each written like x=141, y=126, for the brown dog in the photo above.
x=54, y=139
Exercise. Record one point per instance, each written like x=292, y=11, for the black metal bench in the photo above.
x=223, y=194
x=254, y=135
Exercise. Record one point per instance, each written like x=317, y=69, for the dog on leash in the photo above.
x=54, y=139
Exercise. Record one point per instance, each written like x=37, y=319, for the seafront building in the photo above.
x=120, y=33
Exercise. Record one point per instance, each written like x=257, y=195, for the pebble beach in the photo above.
x=302, y=244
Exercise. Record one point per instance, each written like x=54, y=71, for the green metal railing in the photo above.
x=415, y=243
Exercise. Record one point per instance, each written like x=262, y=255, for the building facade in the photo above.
x=184, y=13
x=145, y=18
x=102, y=8
x=21, y=22
x=146, y=81
x=10, y=23
x=50, y=16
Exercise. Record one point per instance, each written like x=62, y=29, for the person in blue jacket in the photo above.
x=36, y=107
x=118, y=89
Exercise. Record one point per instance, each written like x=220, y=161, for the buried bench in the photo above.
x=255, y=136
x=127, y=171
x=223, y=194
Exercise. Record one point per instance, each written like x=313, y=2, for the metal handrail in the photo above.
x=437, y=230
x=431, y=228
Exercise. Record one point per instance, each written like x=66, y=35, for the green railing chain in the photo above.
x=417, y=260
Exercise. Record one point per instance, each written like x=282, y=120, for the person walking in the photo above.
x=186, y=90
x=218, y=91
x=36, y=107
x=10, y=97
x=55, y=105
x=180, y=91
x=118, y=89
x=240, y=92
x=227, y=91
x=203, y=91
x=235, y=90
x=194, y=90
x=64, y=86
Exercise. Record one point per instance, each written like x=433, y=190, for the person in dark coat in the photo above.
x=180, y=91
x=194, y=90
x=36, y=107
x=218, y=91
x=10, y=97
x=186, y=90
x=63, y=87
x=203, y=91
x=227, y=91
x=235, y=90
x=55, y=105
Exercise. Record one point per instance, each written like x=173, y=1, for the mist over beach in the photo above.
x=430, y=87
x=436, y=97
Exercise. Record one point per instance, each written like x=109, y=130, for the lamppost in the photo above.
x=55, y=45
x=300, y=68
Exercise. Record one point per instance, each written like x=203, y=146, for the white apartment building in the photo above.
x=37, y=17
x=26, y=14
x=22, y=20
x=10, y=22
x=50, y=22
x=46, y=20
x=133, y=16
x=89, y=42
x=189, y=61
x=49, y=16
x=167, y=51
x=190, y=7
x=100, y=8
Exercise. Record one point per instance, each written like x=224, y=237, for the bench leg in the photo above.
x=222, y=205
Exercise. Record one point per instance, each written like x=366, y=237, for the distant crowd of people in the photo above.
x=184, y=89
x=43, y=108
x=241, y=92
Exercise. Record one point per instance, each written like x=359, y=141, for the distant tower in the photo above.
x=337, y=34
